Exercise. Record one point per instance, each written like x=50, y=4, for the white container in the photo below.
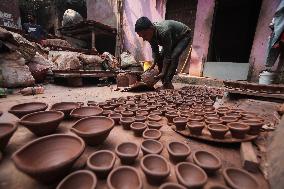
x=266, y=77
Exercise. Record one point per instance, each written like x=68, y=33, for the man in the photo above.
x=173, y=36
x=36, y=32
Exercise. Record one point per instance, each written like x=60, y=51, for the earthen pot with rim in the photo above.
x=40, y=160
x=155, y=167
x=213, y=121
x=150, y=146
x=154, y=125
x=228, y=119
x=211, y=116
x=116, y=117
x=218, y=131
x=171, y=185
x=87, y=111
x=255, y=126
x=127, y=152
x=20, y=110
x=152, y=134
x=127, y=113
x=195, y=118
x=79, y=179
x=238, y=130
x=195, y=127
x=140, y=118
x=170, y=116
x=138, y=128
x=208, y=161
x=142, y=113
x=234, y=114
x=180, y=123
x=119, y=109
x=101, y=162
x=238, y=178
x=65, y=107
x=93, y=130
x=6, y=132
x=126, y=122
x=124, y=177
x=156, y=112
x=154, y=117
x=107, y=112
x=190, y=175
x=178, y=151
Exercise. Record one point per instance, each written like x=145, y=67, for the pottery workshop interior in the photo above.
x=141, y=94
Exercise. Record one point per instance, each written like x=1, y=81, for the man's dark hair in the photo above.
x=142, y=23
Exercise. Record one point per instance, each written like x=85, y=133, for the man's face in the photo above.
x=146, y=34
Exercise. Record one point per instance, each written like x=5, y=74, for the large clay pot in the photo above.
x=40, y=160
x=26, y=108
x=180, y=123
x=195, y=127
x=127, y=152
x=6, y=132
x=138, y=128
x=152, y=134
x=238, y=130
x=178, y=151
x=217, y=130
x=88, y=111
x=171, y=185
x=126, y=122
x=209, y=162
x=150, y=146
x=255, y=126
x=154, y=125
x=65, y=107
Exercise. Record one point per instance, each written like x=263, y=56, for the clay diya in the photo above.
x=79, y=179
x=255, y=126
x=209, y=162
x=155, y=168
x=126, y=122
x=213, y=121
x=124, y=177
x=140, y=118
x=171, y=185
x=154, y=125
x=88, y=111
x=42, y=123
x=152, y=134
x=238, y=130
x=150, y=146
x=40, y=160
x=180, y=123
x=178, y=151
x=116, y=117
x=138, y=128
x=93, y=130
x=6, y=132
x=65, y=107
x=127, y=113
x=26, y=108
x=127, y=152
x=228, y=119
x=154, y=117
x=218, y=130
x=119, y=109
x=101, y=162
x=190, y=175
x=195, y=127
x=240, y=179
x=170, y=116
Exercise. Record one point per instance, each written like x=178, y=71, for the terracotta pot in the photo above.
x=233, y=114
x=154, y=125
x=190, y=175
x=228, y=119
x=40, y=160
x=6, y=132
x=26, y=108
x=154, y=117
x=127, y=114
x=152, y=134
x=209, y=162
x=94, y=130
x=150, y=146
x=119, y=109
x=88, y=111
x=116, y=117
x=127, y=152
x=180, y=123
x=79, y=179
x=126, y=122
x=142, y=112
x=156, y=112
x=239, y=178
x=101, y=162
x=255, y=126
x=140, y=118
x=195, y=127
x=155, y=168
x=106, y=113
x=195, y=118
x=211, y=116
x=171, y=185
x=138, y=128
x=124, y=177
x=178, y=151
x=213, y=121
x=238, y=129
x=217, y=130
x=170, y=116
x=65, y=107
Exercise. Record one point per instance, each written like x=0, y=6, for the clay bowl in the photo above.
x=152, y=134
x=190, y=175
x=209, y=162
x=154, y=125
x=255, y=126
x=195, y=118
x=6, y=132
x=42, y=123
x=195, y=127
x=119, y=109
x=170, y=116
x=79, y=179
x=65, y=107
x=180, y=123
x=26, y=108
x=87, y=111
x=155, y=168
x=138, y=128
x=171, y=185
x=178, y=151
x=233, y=114
x=101, y=162
x=142, y=113
x=126, y=122
x=93, y=130
x=240, y=179
x=218, y=130
x=238, y=130
x=211, y=116
x=213, y=121
x=107, y=112
x=140, y=118
x=157, y=112
x=228, y=119
x=116, y=117
x=150, y=146
x=127, y=113
x=124, y=177
x=127, y=152
x=40, y=158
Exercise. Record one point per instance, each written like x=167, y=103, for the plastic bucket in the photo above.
x=266, y=77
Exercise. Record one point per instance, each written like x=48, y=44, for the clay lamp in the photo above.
x=6, y=132
x=151, y=107
x=154, y=125
x=153, y=134
x=142, y=104
x=124, y=177
x=88, y=111
x=228, y=119
x=140, y=118
x=49, y=158
x=180, y=123
x=233, y=114
x=195, y=118
x=213, y=121
x=171, y=185
x=178, y=151
x=155, y=168
x=127, y=114
x=209, y=162
x=239, y=179
x=238, y=130
x=208, y=112
x=218, y=130
x=170, y=109
x=255, y=126
x=170, y=116
x=154, y=117
x=133, y=109
x=26, y=108
x=126, y=122
x=79, y=179
x=107, y=112
x=127, y=152
x=195, y=127
x=150, y=146
x=65, y=107
x=190, y=175
x=116, y=117
x=93, y=130
x=156, y=112
x=138, y=128
x=101, y=162
x=142, y=112
x=119, y=109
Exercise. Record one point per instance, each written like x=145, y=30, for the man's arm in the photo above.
x=155, y=53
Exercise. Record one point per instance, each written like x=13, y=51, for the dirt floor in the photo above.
x=11, y=178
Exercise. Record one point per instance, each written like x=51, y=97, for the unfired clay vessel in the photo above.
x=195, y=127
x=127, y=113
x=154, y=117
x=217, y=130
x=26, y=108
x=150, y=146
x=171, y=185
x=209, y=162
x=178, y=151
x=138, y=128
x=116, y=117
x=65, y=107
x=255, y=126
x=127, y=152
x=238, y=129
x=6, y=132
x=180, y=123
x=170, y=116
x=228, y=119
x=154, y=125
x=140, y=118
x=126, y=122
x=152, y=134
x=87, y=111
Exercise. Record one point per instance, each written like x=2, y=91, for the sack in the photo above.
x=63, y=60
x=127, y=60
x=39, y=67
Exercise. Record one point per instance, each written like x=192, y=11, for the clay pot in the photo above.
x=238, y=130
x=127, y=152
x=140, y=118
x=150, y=146
x=65, y=107
x=127, y=114
x=142, y=113
x=94, y=130
x=233, y=114
x=154, y=125
x=218, y=130
x=239, y=178
x=101, y=162
x=195, y=118
x=213, y=121
x=155, y=168
x=119, y=109
x=190, y=175
x=255, y=126
x=42, y=123
x=106, y=113
x=26, y=108
x=138, y=128
x=116, y=117
x=170, y=116
x=124, y=177
x=171, y=185
x=153, y=134
x=195, y=127
x=6, y=132
x=88, y=111
x=40, y=160
x=180, y=123
x=211, y=116
x=228, y=119
x=154, y=117
x=178, y=151
x=79, y=179
x=209, y=162
x=156, y=112
x=126, y=122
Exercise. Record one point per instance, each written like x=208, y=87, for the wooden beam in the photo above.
x=248, y=157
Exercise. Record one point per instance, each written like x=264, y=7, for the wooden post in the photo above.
x=93, y=40
x=248, y=157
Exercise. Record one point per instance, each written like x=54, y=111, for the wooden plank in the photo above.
x=248, y=157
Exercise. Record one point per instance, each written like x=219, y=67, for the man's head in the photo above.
x=31, y=18
x=144, y=28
